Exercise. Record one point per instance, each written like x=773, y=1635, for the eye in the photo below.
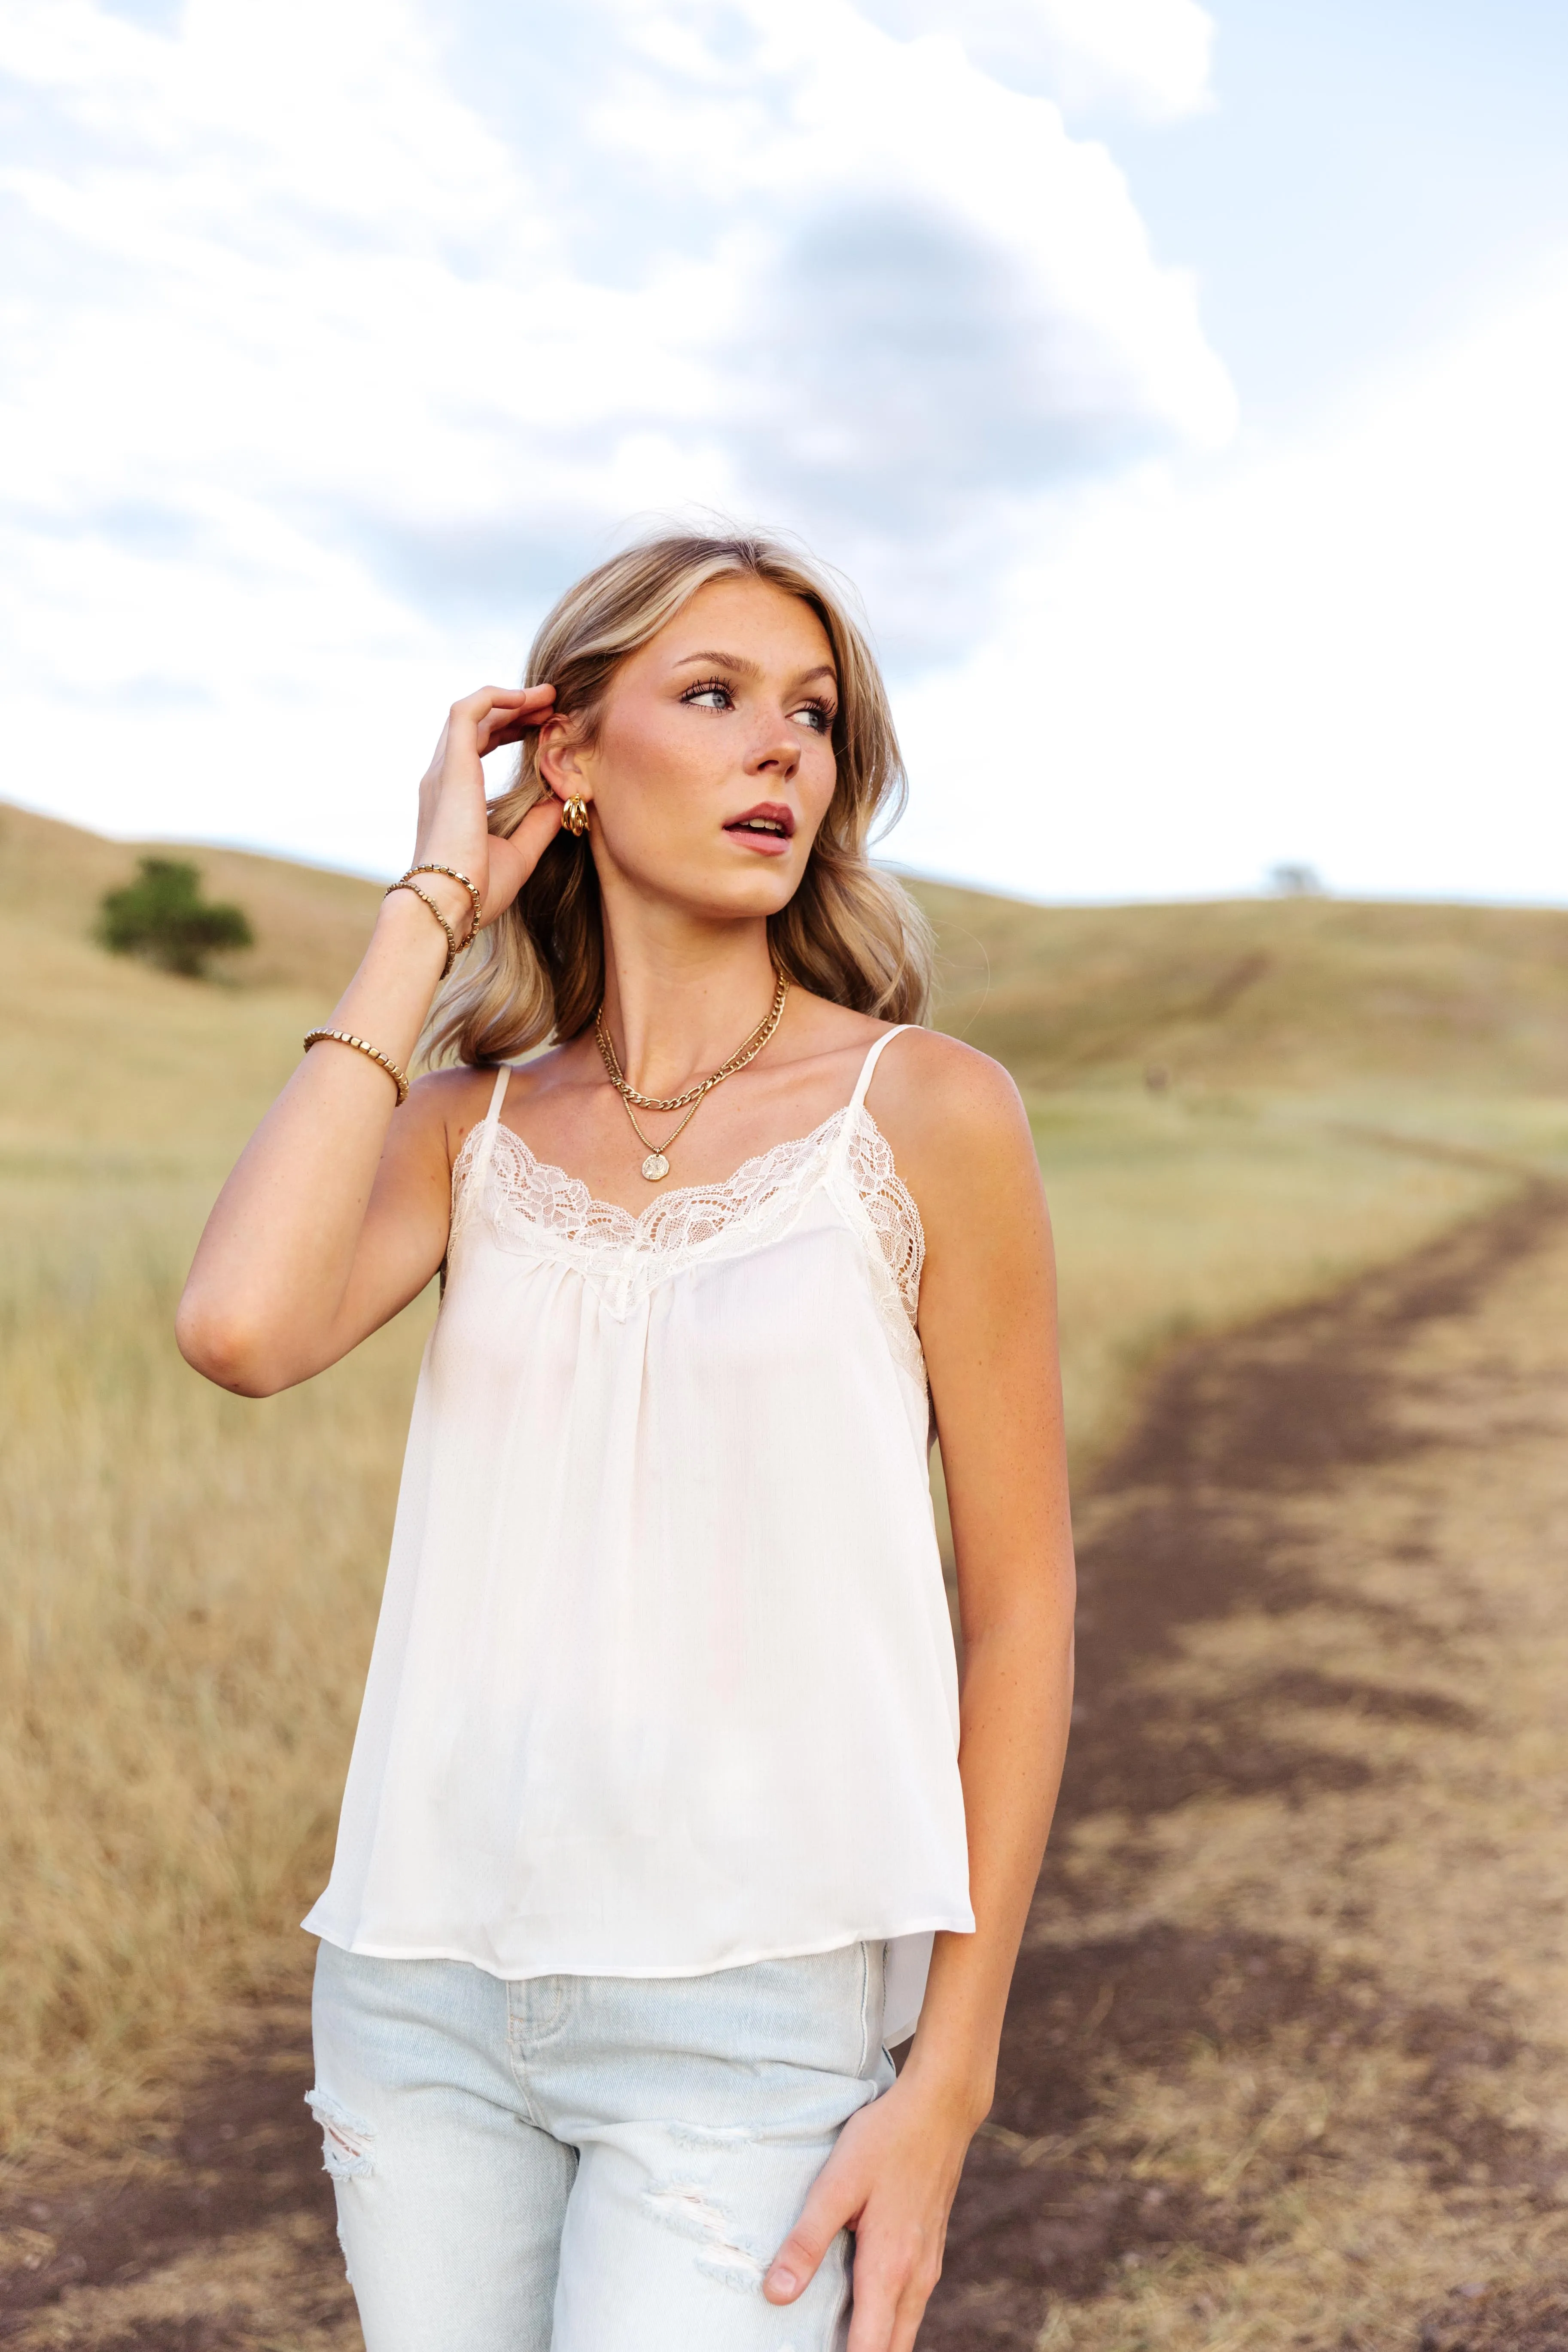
x=709, y=693
x=818, y=716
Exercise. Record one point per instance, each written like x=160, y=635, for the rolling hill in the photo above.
x=1293, y=995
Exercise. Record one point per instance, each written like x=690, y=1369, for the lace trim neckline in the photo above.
x=571, y=1193
x=628, y=1252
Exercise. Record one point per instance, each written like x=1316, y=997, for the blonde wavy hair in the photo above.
x=849, y=933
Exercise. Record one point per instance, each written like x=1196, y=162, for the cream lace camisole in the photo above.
x=664, y=1679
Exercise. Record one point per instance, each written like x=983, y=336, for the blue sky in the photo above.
x=1375, y=173
x=1182, y=388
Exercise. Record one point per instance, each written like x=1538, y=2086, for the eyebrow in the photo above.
x=744, y=668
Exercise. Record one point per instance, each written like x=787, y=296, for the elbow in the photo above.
x=227, y=1349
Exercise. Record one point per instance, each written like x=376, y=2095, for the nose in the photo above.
x=776, y=753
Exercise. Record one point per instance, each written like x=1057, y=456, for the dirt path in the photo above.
x=1285, y=2059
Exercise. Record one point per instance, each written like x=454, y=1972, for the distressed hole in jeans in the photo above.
x=716, y=2135
x=345, y=2143
x=696, y=2216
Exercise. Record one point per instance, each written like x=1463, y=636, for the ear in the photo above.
x=560, y=758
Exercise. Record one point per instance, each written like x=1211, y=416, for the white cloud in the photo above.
x=341, y=334
x=1151, y=56
x=1347, y=652
x=339, y=337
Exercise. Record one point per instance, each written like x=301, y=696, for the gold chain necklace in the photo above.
x=656, y=1164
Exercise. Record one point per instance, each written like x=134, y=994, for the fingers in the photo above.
x=479, y=723
x=891, y=2291
x=873, y=2312
x=496, y=714
x=504, y=727
x=490, y=697
x=831, y=2207
x=514, y=856
x=541, y=826
x=507, y=703
x=893, y=2283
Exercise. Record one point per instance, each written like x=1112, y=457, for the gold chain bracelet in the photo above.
x=362, y=1046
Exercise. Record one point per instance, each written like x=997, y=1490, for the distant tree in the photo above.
x=1294, y=881
x=162, y=917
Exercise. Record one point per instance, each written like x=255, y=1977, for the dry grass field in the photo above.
x=1239, y=1108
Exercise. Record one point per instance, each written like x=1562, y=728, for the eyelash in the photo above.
x=717, y=686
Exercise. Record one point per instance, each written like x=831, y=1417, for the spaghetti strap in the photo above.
x=482, y=1159
x=857, y=1100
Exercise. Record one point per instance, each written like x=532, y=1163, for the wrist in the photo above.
x=418, y=936
x=961, y=2090
x=454, y=898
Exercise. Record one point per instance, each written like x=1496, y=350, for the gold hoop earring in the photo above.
x=574, y=814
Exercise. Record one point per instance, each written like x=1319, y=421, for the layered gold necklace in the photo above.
x=656, y=1164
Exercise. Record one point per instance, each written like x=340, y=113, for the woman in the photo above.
x=664, y=1816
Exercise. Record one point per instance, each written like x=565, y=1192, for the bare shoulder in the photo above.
x=961, y=1142
x=445, y=1104
x=935, y=1095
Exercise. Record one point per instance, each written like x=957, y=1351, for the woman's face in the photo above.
x=713, y=764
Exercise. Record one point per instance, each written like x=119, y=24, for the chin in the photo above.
x=765, y=893
x=732, y=896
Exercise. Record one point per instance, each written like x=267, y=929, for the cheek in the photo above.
x=655, y=795
x=655, y=763
x=820, y=779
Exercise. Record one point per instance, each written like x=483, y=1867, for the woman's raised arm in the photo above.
x=336, y=1214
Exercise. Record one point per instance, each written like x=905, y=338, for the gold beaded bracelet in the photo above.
x=415, y=891
x=453, y=876
x=454, y=945
x=342, y=1037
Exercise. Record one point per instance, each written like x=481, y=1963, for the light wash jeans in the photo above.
x=589, y=2164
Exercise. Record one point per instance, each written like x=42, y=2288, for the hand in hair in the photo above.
x=312, y=1242
x=453, y=816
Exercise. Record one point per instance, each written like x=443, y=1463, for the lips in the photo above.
x=769, y=825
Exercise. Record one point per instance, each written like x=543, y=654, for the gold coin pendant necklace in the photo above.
x=657, y=1165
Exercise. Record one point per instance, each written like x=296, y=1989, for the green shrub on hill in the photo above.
x=162, y=917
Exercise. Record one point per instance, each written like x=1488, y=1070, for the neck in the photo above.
x=679, y=1002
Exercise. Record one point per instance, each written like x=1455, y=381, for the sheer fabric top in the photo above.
x=664, y=1679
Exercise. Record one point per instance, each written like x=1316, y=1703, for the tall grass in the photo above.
x=190, y=1589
